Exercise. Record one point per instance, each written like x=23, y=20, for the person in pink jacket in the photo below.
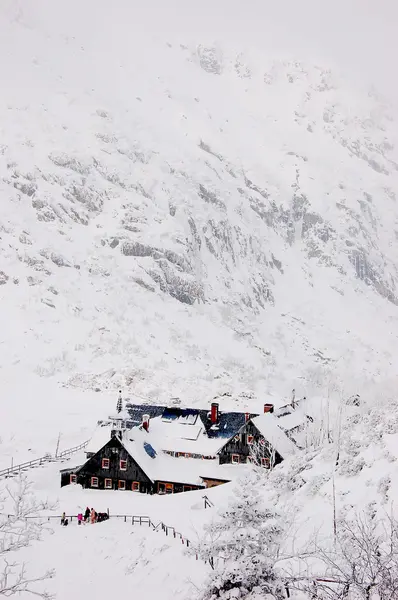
x=79, y=518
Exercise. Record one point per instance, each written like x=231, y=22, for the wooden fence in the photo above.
x=30, y=464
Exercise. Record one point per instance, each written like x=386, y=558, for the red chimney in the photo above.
x=214, y=413
x=247, y=417
x=145, y=422
x=268, y=408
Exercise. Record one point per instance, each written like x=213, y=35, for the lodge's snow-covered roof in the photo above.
x=142, y=447
x=188, y=429
x=293, y=420
x=101, y=436
x=176, y=436
x=268, y=426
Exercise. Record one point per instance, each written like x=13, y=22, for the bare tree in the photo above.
x=262, y=454
x=17, y=531
x=362, y=565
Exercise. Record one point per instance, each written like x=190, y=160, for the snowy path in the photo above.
x=110, y=559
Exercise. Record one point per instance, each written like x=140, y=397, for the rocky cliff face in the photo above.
x=193, y=221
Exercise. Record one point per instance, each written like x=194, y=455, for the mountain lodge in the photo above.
x=160, y=449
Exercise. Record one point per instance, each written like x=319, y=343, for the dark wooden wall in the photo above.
x=115, y=452
x=242, y=448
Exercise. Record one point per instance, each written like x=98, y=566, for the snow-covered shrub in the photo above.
x=350, y=467
x=243, y=545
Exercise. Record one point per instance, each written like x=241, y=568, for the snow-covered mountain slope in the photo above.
x=186, y=217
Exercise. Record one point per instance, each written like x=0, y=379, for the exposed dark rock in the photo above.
x=144, y=284
x=70, y=162
x=277, y=263
x=3, y=278
x=85, y=195
x=47, y=302
x=207, y=149
x=370, y=275
x=28, y=188
x=59, y=260
x=210, y=197
x=210, y=59
x=255, y=188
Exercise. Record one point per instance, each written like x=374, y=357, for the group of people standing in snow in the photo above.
x=90, y=516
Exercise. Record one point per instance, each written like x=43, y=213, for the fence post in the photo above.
x=125, y=518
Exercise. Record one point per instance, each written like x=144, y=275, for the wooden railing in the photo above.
x=70, y=451
x=135, y=520
x=30, y=464
x=26, y=465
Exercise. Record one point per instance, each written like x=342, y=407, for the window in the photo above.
x=265, y=462
x=105, y=463
x=235, y=458
x=187, y=455
x=135, y=486
x=250, y=439
x=108, y=484
x=94, y=482
x=72, y=479
x=187, y=488
x=122, y=484
x=123, y=465
x=169, y=488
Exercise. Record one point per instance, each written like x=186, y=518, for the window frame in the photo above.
x=92, y=484
x=72, y=478
x=108, y=487
x=187, y=488
x=135, y=486
x=103, y=466
x=120, y=465
x=250, y=440
x=123, y=486
x=237, y=459
x=265, y=462
x=169, y=488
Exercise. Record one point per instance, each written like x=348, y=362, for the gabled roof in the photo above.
x=269, y=428
x=228, y=425
x=101, y=436
x=142, y=447
x=137, y=411
x=188, y=429
x=293, y=420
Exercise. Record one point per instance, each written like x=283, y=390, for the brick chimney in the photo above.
x=214, y=413
x=268, y=408
x=247, y=417
x=145, y=422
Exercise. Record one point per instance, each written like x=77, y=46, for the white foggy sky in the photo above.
x=360, y=36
